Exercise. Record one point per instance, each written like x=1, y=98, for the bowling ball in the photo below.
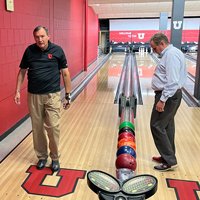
x=126, y=161
x=127, y=129
x=126, y=124
x=127, y=150
x=126, y=142
x=126, y=135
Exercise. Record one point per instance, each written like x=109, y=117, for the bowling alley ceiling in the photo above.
x=140, y=8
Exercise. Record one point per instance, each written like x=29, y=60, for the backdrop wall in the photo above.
x=141, y=30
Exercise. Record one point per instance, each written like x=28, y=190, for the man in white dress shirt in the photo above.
x=169, y=77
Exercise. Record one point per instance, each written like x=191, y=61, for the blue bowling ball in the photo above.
x=126, y=149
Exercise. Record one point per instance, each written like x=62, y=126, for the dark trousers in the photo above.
x=163, y=127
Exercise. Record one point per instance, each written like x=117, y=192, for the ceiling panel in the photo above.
x=140, y=8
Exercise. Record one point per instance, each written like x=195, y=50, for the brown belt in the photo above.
x=160, y=91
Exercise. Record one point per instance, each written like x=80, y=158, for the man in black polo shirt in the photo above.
x=45, y=62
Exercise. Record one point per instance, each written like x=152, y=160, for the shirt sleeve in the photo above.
x=24, y=63
x=63, y=60
x=173, y=65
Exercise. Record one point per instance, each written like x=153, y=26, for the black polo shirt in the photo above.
x=43, y=68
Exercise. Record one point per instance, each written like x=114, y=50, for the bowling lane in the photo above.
x=89, y=132
x=103, y=87
x=94, y=119
x=192, y=54
x=146, y=66
x=187, y=126
x=191, y=68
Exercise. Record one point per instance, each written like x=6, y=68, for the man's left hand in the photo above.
x=67, y=102
x=66, y=105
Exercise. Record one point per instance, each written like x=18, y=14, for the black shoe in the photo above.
x=41, y=164
x=55, y=165
x=163, y=167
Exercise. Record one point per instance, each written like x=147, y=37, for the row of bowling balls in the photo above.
x=126, y=148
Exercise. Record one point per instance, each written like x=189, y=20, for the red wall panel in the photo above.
x=2, y=57
x=4, y=37
x=65, y=21
x=68, y=32
x=92, y=40
x=1, y=17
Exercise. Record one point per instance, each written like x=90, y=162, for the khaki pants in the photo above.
x=45, y=115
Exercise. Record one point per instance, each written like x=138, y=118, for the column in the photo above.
x=177, y=22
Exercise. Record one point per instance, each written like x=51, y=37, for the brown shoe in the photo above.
x=157, y=159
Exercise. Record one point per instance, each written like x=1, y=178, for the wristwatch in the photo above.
x=68, y=98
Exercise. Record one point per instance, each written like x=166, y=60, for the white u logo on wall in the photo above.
x=177, y=24
x=141, y=35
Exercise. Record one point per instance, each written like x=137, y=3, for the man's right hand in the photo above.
x=160, y=106
x=20, y=79
x=17, y=98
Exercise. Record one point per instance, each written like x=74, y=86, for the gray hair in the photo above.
x=39, y=27
x=158, y=38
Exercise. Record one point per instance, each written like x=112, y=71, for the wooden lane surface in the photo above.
x=89, y=131
x=191, y=66
x=187, y=138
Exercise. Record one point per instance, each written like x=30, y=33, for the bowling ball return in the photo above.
x=109, y=188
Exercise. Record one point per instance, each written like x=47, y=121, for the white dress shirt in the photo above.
x=170, y=73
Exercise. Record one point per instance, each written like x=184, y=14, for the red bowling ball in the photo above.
x=126, y=135
x=126, y=161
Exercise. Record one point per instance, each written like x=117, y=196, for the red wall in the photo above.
x=92, y=40
x=65, y=21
